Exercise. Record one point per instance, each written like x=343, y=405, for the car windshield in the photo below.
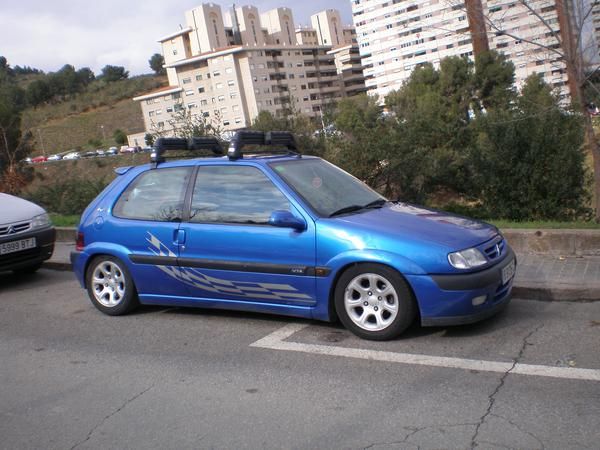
x=326, y=188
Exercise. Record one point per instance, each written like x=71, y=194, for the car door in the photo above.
x=146, y=221
x=232, y=253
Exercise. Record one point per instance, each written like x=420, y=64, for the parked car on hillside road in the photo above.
x=72, y=155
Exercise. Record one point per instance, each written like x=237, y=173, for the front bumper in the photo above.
x=448, y=299
x=31, y=257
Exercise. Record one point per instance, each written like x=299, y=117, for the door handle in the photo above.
x=180, y=237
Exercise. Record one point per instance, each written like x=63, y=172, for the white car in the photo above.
x=26, y=235
x=54, y=158
x=72, y=155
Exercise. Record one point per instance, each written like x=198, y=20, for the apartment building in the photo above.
x=395, y=36
x=226, y=67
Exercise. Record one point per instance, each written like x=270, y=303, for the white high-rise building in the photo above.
x=396, y=36
x=228, y=67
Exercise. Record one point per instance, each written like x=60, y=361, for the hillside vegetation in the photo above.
x=74, y=122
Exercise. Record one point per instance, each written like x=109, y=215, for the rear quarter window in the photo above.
x=156, y=195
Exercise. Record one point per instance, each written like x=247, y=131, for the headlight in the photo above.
x=467, y=259
x=41, y=221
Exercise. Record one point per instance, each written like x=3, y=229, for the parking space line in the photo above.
x=276, y=341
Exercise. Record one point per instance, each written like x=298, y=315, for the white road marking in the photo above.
x=277, y=341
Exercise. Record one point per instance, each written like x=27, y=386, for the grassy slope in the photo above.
x=72, y=123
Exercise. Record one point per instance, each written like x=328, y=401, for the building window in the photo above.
x=150, y=113
x=216, y=73
x=226, y=122
x=221, y=98
x=231, y=83
x=169, y=109
x=233, y=95
x=238, y=120
x=198, y=77
x=190, y=92
x=200, y=90
x=219, y=85
x=229, y=70
x=186, y=80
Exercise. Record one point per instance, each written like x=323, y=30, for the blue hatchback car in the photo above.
x=282, y=233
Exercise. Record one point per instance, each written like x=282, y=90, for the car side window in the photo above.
x=156, y=195
x=235, y=194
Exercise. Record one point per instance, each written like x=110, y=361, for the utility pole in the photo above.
x=103, y=134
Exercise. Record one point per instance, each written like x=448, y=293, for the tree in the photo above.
x=120, y=137
x=38, y=92
x=85, y=76
x=114, y=73
x=528, y=160
x=14, y=145
x=156, y=62
x=567, y=42
x=149, y=139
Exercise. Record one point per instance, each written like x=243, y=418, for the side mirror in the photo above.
x=286, y=219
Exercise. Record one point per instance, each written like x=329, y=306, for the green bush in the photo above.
x=68, y=197
x=528, y=163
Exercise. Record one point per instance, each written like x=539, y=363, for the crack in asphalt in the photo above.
x=127, y=402
x=529, y=433
x=492, y=396
x=415, y=430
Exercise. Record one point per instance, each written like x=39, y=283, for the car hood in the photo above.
x=15, y=209
x=416, y=223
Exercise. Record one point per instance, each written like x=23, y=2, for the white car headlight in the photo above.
x=40, y=221
x=467, y=259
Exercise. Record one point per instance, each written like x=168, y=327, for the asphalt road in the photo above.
x=71, y=377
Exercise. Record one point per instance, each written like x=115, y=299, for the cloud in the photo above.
x=48, y=35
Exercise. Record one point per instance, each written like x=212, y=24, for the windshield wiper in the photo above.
x=352, y=208
x=376, y=203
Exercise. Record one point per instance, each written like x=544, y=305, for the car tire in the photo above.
x=374, y=302
x=110, y=286
x=28, y=270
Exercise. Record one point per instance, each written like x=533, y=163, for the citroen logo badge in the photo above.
x=11, y=230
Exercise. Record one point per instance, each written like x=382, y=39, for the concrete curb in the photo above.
x=66, y=234
x=554, y=242
x=57, y=265
x=556, y=292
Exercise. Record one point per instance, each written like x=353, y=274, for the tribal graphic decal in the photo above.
x=195, y=278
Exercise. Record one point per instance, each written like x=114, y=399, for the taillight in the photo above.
x=79, y=244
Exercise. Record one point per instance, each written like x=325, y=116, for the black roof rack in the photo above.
x=195, y=144
x=280, y=139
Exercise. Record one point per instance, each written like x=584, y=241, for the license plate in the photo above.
x=508, y=272
x=17, y=246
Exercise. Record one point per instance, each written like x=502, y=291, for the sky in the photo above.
x=47, y=34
